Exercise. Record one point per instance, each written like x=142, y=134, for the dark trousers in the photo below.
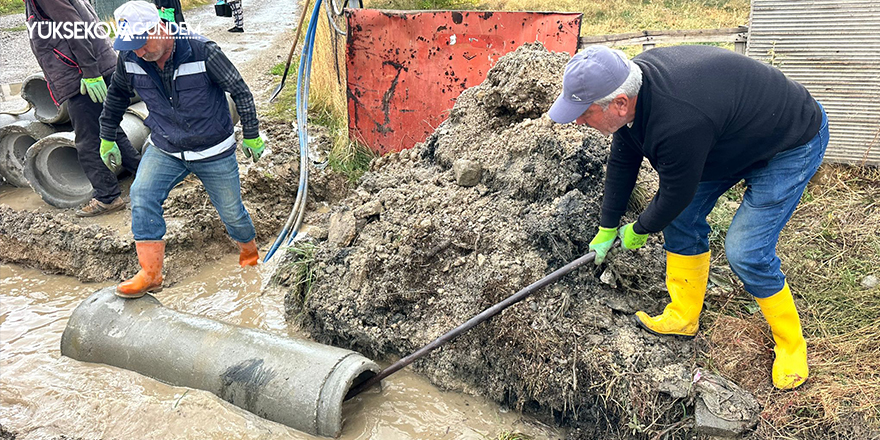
x=84, y=116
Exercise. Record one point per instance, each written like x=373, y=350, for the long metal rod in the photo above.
x=302, y=19
x=486, y=314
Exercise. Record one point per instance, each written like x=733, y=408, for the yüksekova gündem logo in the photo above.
x=100, y=30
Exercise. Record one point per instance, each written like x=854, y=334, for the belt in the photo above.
x=191, y=156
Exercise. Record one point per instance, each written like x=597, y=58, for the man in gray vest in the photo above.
x=182, y=77
x=77, y=63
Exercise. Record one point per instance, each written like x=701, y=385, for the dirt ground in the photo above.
x=412, y=253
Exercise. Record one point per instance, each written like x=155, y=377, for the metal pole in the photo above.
x=486, y=314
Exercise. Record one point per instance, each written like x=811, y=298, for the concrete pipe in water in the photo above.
x=298, y=383
x=15, y=139
x=35, y=90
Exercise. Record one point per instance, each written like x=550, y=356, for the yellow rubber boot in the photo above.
x=149, y=279
x=686, y=278
x=249, y=255
x=790, y=368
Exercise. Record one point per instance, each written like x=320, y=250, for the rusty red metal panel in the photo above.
x=405, y=69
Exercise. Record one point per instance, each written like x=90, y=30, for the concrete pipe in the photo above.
x=9, y=118
x=298, y=383
x=15, y=139
x=52, y=169
x=35, y=91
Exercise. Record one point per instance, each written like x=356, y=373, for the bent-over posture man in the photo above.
x=76, y=70
x=182, y=79
x=706, y=118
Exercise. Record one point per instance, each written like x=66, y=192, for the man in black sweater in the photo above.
x=705, y=118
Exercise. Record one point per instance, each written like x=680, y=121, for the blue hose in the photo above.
x=291, y=228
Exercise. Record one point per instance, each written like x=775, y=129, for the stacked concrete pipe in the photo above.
x=35, y=90
x=52, y=167
x=15, y=139
x=9, y=118
x=296, y=382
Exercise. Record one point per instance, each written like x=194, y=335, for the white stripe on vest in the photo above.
x=189, y=69
x=134, y=68
x=200, y=155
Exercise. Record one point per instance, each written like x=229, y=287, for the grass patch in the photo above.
x=297, y=274
x=423, y=5
x=14, y=29
x=190, y=4
x=619, y=16
x=829, y=247
x=11, y=7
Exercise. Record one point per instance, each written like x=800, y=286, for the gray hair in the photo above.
x=630, y=86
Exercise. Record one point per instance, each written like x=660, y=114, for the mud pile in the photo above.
x=495, y=199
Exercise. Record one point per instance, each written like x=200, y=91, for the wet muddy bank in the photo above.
x=56, y=241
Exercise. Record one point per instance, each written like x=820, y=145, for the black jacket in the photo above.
x=702, y=114
x=65, y=61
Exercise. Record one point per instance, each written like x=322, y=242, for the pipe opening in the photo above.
x=361, y=378
x=38, y=94
x=35, y=90
x=63, y=169
x=20, y=145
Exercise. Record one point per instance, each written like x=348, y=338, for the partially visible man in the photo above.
x=706, y=118
x=182, y=78
x=76, y=71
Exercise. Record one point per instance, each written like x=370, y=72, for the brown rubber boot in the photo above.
x=249, y=255
x=149, y=278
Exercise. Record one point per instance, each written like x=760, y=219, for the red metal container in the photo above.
x=405, y=69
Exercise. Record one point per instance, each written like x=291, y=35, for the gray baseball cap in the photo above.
x=591, y=74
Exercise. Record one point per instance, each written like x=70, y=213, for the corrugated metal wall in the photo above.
x=832, y=48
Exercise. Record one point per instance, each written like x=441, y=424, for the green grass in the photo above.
x=423, y=5
x=11, y=7
x=830, y=245
x=297, y=273
x=14, y=29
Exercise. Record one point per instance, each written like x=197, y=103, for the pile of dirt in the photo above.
x=495, y=199
x=59, y=242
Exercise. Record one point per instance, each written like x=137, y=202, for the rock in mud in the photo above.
x=343, y=228
x=722, y=408
x=467, y=172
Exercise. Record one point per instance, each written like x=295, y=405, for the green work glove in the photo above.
x=253, y=148
x=167, y=14
x=630, y=239
x=110, y=155
x=95, y=87
x=602, y=243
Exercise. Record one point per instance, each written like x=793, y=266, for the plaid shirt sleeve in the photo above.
x=224, y=73
x=119, y=94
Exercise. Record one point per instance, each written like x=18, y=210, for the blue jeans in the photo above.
x=772, y=193
x=158, y=173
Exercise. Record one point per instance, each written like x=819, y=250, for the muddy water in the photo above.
x=45, y=395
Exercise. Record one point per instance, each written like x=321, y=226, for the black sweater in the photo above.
x=702, y=114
